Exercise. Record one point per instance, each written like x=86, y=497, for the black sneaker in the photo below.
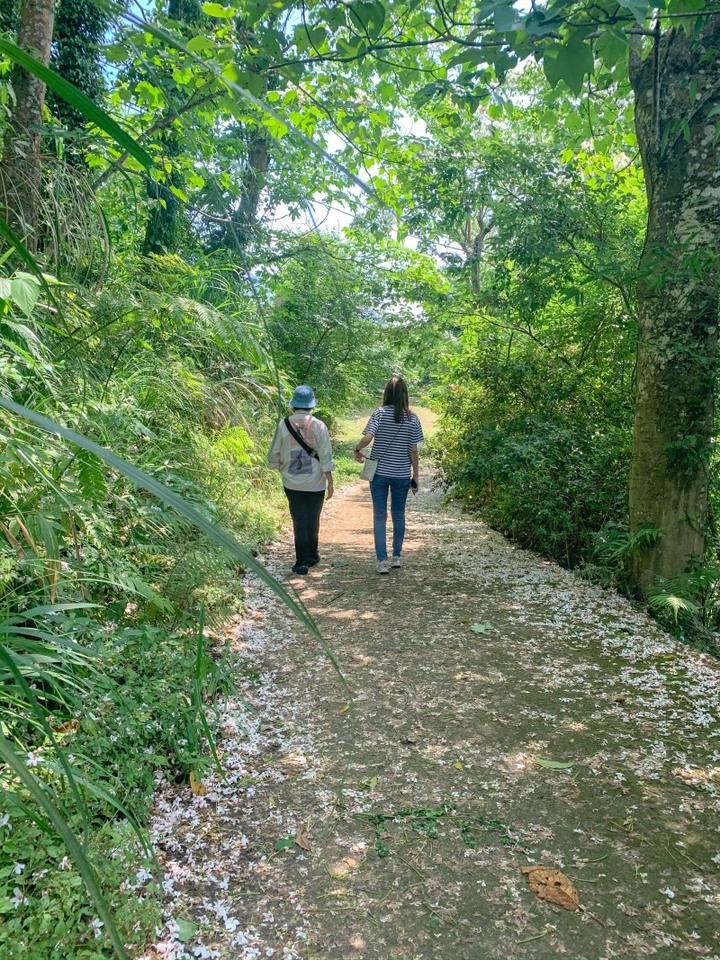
x=314, y=562
x=300, y=568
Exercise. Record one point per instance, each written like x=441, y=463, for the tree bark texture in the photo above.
x=21, y=154
x=477, y=230
x=677, y=93
x=257, y=166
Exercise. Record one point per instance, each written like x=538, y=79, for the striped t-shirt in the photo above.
x=393, y=441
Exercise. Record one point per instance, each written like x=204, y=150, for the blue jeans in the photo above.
x=398, y=488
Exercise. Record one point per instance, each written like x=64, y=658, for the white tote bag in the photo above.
x=369, y=468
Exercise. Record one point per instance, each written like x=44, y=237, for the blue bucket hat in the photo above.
x=303, y=398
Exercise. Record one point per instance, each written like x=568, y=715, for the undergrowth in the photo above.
x=108, y=676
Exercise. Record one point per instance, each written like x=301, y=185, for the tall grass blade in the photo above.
x=159, y=490
x=198, y=693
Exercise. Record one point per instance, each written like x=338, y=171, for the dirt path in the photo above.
x=422, y=795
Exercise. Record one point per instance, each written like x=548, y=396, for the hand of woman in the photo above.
x=330, y=489
x=415, y=486
x=358, y=456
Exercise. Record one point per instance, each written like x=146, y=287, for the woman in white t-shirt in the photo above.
x=301, y=451
x=395, y=433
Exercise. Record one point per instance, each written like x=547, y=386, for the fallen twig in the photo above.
x=538, y=936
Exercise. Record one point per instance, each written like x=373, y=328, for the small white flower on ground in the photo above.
x=5, y=821
x=33, y=758
x=18, y=869
x=64, y=864
x=670, y=894
x=18, y=898
x=97, y=926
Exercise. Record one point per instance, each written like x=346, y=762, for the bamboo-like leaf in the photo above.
x=37, y=791
x=21, y=250
x=76, y=98
x=198, y=693
x=39, y=715
x=159, y=490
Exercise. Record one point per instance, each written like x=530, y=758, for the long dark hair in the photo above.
x=396, y=395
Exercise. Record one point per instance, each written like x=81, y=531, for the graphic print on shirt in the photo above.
x=300, y=462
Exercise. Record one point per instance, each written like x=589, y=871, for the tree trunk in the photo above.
x=77, y=35
x=477, y=230
x=166, y=225
x=258, y=163
x=21, y=155
x=677, y=91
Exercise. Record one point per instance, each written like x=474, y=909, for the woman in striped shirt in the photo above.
x=395, y=433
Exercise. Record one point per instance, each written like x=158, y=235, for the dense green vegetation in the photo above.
x=167, y=275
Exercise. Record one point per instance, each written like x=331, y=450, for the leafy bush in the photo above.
x=45, y=911
x=536, y=385
x=548, y=467
x=689, y=605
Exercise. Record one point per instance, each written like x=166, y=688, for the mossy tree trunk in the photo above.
x=21, y=154
x=677, y=94
x=79, y=29
x=257, y=165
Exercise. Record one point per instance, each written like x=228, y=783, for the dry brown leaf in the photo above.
x=302, y=838
x=341, y=868
x=197, y=786
x=70, y=726
x=361, y=660
x=552, y=885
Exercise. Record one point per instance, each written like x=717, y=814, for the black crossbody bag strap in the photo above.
x=298, y=436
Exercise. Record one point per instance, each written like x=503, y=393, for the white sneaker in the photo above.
x=383, y=566
x=396, y=563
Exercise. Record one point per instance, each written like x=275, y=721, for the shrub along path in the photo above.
x=501, y=713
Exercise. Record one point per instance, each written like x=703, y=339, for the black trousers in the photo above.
x=305, y=508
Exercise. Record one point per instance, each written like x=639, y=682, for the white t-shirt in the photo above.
x=299, y=470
